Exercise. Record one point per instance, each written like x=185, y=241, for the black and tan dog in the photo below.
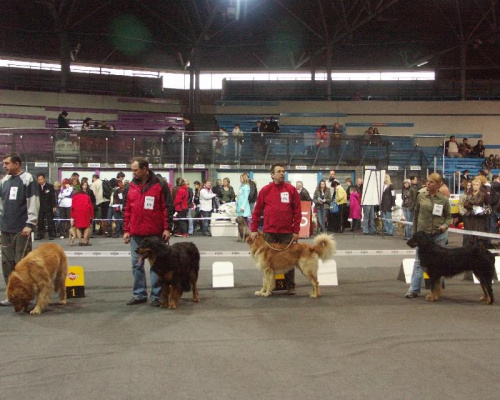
x=440, y=262
x=177, y=267
x=243, y=229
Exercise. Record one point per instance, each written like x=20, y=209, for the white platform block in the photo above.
x=224, y=229
x=327, y=273
x=222, y=274
x=408, y=268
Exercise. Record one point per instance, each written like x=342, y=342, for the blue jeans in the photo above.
x=321, y=218
x=190, y=221
x=140, y=289
x=388, y=224
x=408, y=218
x=369, y=220
x=205, y=222
x=416, y=275
x=118, y=217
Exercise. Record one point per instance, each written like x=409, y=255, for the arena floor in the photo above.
x=360, y=340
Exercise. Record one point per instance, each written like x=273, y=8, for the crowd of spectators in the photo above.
x=453, y=149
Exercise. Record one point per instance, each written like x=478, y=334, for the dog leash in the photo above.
x=13, y=241
x=271, y=247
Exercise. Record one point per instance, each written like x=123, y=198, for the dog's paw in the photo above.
x=172, y=306
x=196, y=299
x=267, y=294
x=430, y=297
x=163, y=305
x=313, y=295
x=259, y=293
x=63, y=302
x=35, y=311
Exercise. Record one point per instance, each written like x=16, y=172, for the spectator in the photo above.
x=431, y=215
x=113, y=185
x=280, y=203
x=408, y=206
x=196, y=207
x=147, y=212
x=102, y=202
x=451, y=148
x=490, y=163
x=120, y=176
x=19, y=204
x=264, y=125
x=322, y=198
x=376, y=138
x=273, y=126
x=191, y=207
x=387, y=205
x=466, y=175
x=258, y=138
x=478, y=150
x=339, y=218
x=86, y=189
x=226, y=192
x=242, y=204
x=238, y=140
x=322, y=137
x=355, y=208
x=206, y=207
x=329, y=184
x=368, y=135
x=220, y=142
x=86, y=124
x=359, y=185
x=303, y=193
x=181, y=208
x=62, y=121
x=64, y=204
x=475, y=212
x=82, y=214
x=48, y=206
x=465, y=148
x=57, y=190
x=335, y=141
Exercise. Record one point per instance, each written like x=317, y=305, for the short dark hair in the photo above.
x=120, y=175
x=452, y=136
x=413, y=177
x=14, y=157
x=39, y=175
x=75, y=174
x=196, y=182
x=95, y=176
x=143, y=162
x=273, y=167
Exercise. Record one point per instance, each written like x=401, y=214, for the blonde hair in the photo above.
x=245, y=177
x=477, y=180
x=481, y=178
x=387, y=179
x=436, y=178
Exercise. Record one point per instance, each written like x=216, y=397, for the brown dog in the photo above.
x=71, y=236
x=274, y=258
x=35, y=275
x=243, y=229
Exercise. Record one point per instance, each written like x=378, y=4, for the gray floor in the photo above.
x=360, y=340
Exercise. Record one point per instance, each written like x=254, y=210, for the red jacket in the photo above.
x=282, y=209
x=82, y=210
x=148, y=208
x=181, y=198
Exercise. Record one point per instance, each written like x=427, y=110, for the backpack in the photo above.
x=252, y=196
x=106, y=189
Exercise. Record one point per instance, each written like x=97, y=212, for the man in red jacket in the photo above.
x=281, y=202
x=147, y=211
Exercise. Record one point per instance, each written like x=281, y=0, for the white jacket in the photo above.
x=65, y=197
x=206, y=196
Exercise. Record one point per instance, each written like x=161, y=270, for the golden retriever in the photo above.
x=35, y=275
x=274, y=259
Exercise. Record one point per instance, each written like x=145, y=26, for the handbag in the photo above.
x=334, y=207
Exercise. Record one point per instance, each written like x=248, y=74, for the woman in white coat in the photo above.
x=206, y=206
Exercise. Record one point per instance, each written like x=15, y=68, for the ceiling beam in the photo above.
x=305, y=24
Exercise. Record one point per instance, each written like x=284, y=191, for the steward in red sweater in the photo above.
x=280, y=203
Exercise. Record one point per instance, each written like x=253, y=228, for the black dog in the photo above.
x=440, y=262
x=177, y=266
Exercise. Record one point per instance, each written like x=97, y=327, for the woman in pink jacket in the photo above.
x=355, y=208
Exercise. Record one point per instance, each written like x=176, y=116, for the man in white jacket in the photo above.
x=206, y=206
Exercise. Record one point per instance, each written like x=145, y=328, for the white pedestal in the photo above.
x=327, y=273
x=222, y=274
x=408, y=268
x=223, y=228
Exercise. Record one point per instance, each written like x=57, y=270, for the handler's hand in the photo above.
x=26, y=231
x=166, y=236
x=442, y=228
x=126, y=238
x=295, y=237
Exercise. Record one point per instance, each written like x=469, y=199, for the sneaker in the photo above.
x=62, y=237
x=290, y=291
x=410, y=295
x=155, y=303
x=185, y=235
x=5, y=303
x=135, y=301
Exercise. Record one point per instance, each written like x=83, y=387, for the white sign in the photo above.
x=415, y=168
x=224, y=166
x=169, y=165
x=393, y=168
x=370, y=167
x=199, y=166
x=94, y=165
x=41, y=164
x=120, y=165
x=303, y=167
x=68, y=165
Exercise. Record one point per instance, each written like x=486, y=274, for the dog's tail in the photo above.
x=324, y=246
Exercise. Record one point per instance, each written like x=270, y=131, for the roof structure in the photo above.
x=258, y=34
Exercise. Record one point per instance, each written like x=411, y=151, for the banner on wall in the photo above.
x=305, y=223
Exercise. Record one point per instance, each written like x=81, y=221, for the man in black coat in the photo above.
x=47, y=207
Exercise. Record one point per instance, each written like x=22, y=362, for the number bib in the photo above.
x=149, y=203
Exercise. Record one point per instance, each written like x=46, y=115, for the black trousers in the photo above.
x=49, y=216
x=283, y=238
